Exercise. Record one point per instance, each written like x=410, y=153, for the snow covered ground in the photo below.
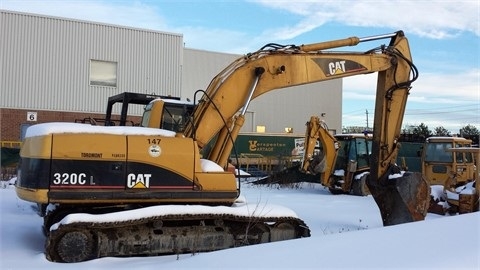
x=347, y=233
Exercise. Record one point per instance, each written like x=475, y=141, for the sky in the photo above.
x=443, y=36
x=346, y=233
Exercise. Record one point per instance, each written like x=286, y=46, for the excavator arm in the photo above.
x=220, y=112
x=401, y=197
x=323, y=163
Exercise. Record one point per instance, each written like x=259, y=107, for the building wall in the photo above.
x=292, y=107
x=199, y=68
x=45, y=66
x=14, y=120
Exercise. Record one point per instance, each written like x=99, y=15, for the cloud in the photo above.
x=435, y=19
x=432, y=19
x=449, y=100
x=214, y=39
x=138, y=14
x=433, y=88
x=452, y=88
x=133, y=14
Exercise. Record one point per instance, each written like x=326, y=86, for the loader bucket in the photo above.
x=403, y=199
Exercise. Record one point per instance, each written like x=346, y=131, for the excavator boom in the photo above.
x=401, y=200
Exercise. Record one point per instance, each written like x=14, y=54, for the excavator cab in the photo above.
x=352, y=165
x=167, y=114
x=438, y=163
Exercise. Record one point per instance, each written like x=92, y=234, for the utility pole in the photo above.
x=366, y=113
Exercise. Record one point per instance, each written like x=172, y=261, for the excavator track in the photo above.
x=167, y=234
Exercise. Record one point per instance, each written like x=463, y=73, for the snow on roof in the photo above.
x=446, y=138
x=171, y=100
x=63, y=127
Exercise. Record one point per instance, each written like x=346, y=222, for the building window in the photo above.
x=261, y=129
x=103, y=73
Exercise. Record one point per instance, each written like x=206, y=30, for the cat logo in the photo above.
x=336, y=66
x=141, y=180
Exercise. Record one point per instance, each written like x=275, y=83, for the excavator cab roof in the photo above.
x=127, y=98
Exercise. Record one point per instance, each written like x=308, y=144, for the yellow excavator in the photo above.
x=340, y=162
x=150, y=190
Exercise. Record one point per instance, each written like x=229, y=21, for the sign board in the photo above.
x=32, y=116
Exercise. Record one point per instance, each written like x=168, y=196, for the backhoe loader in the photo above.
x=129, y=191
x=341, y=164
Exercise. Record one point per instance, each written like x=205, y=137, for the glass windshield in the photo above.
x=463, y=157
x=436, y=152
x=342, y=155
x=174, y=118
x=364, y=149
x=146, y=115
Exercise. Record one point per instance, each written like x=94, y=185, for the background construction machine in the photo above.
x=340, y=162
x=448, y=164
x=121, y=173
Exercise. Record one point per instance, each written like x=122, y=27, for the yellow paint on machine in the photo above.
x=37, y=147
x=89, y=146
x=32, y=195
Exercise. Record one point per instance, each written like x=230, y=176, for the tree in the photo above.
x=469, y=130
x=422, y=131
x=441, y=131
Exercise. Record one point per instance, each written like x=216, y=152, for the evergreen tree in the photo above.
x=422, y=131
x=469, y=130
x=441, y=131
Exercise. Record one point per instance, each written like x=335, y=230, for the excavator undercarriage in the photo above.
x=170, y=229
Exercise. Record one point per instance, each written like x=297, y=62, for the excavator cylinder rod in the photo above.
x=351, y=41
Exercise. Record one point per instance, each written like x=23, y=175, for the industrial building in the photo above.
x=58, y=69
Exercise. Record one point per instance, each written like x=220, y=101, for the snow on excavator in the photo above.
x=128, y=191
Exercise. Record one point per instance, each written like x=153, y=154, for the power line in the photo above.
x=447, y=107
x=359, y=110
x=456, y=106
x=437, y=112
